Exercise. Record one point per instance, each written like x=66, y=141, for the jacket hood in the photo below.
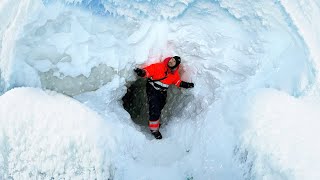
x=166, y=60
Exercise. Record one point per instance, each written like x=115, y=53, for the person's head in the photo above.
x=174, y=62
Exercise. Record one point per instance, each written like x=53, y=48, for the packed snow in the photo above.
x=67, y=64
x=46, y=134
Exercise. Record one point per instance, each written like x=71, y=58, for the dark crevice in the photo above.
x=135, y=103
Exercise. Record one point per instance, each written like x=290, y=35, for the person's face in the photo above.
x=172, y=62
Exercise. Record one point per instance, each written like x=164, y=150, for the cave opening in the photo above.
x=136, y=104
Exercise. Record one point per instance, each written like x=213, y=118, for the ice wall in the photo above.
x=14, y=16
x=78, y=46
x=303, y=14
x=230, y=50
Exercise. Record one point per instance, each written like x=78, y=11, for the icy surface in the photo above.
x=252, y=114
x=45, y=135
x=281, y=139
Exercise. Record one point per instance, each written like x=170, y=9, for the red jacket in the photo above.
x=159, y=71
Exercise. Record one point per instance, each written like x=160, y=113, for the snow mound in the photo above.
x=282, y=131
x=49, y=135
x=88, y=49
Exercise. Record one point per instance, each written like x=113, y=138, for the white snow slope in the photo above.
x=66, y=64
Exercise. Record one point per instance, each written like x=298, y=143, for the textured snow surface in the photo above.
x=45, y=134
x=66, y=64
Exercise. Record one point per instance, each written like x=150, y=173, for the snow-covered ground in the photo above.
x=66, y=65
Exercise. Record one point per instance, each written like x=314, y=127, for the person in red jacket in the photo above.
x=159, y=77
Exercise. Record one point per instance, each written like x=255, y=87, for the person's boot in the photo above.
x=156, y=134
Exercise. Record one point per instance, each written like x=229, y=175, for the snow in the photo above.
x=66, y=64
x=46, y=134
x=282, y=131
x=303, y=21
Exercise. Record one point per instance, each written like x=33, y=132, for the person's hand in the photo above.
x=186, y=85
x=190, y=85
x=140, y=72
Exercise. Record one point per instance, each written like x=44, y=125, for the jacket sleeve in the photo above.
x=177, y=81
x=150, y=70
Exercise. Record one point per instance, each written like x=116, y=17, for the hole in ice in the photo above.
x=135, y=103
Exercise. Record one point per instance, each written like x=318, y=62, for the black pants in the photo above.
x=156, y=101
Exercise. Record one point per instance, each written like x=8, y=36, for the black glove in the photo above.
x=140, y=72
x=186, y=85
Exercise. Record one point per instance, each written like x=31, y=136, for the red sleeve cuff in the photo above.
x=178, y=83
x=147, y=74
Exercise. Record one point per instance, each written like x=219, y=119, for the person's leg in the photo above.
x=154, y=111
x=154, y=116
x=163, y=98
x=154, y=101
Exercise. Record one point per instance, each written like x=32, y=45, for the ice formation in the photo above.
x=67, y=64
